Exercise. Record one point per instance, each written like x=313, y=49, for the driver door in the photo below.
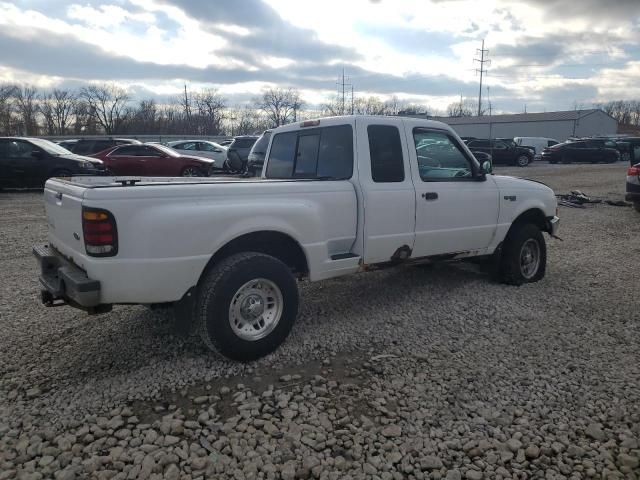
x=27, y=170
x=455, y=211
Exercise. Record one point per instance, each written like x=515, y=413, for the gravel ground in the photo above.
x=403, y=373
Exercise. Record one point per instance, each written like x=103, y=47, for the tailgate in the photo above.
x=63, y=207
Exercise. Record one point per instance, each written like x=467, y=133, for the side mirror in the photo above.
x=36, y=154
x=486, y=167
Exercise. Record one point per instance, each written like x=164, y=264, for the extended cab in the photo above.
x=338, y=196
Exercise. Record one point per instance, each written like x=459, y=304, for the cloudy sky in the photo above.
x=545, y=54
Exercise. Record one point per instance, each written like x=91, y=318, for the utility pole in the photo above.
x=342, y=83
x=352, y=99
x=482, y=52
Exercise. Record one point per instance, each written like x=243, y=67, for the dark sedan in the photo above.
x=153, y=160
x=592, y=151
x=29, y=162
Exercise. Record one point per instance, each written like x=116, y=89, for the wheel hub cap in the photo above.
x=529, y=259
x=256, y=309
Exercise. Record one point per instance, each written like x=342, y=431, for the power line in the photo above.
x=482, y=61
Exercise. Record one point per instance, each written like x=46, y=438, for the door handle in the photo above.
x=429, y=196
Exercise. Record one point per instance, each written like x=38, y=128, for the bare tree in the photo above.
x=464, y=108
x=280, y=105
x=27, y=105
x=109, y=104
x=45, y=107
x=211, y=109
x=64, y=102
x=7, y=99
x=371, y=105
x=145, y=118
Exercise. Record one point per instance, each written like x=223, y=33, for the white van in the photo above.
x=539, y=143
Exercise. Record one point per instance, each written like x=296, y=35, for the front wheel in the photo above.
x=524, y=255
x=246, y=306
x=191, y=172
x=522, y=161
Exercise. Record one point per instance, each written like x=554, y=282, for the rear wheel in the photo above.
x=191, y=172
x=523, y=161
x=524, y=255
x=636, y=205
x=626, y=157
x=246, y=306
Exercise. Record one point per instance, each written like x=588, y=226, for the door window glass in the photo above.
x=385, y=150
x=186, y=146
x=128, y=150
x=206, y=147
x=439, y=157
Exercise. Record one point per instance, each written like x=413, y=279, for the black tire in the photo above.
x=216, y=292
x=636, y=205
x=523, y=161
x=510, y=267
x=553, y=162
x=625, y=157
x=191, y=172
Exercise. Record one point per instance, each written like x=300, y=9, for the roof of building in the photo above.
x=517, y=117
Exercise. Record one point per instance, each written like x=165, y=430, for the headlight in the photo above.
x=87, y=166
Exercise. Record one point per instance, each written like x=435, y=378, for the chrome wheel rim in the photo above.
x=190, y=172
x=256, y=309
x=523, y=161
x=529, y=259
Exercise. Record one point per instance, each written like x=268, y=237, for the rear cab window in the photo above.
x=385, y=150
x=325, y=152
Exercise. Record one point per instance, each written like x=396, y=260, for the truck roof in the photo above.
x=351, y=119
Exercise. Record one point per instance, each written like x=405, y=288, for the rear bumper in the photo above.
x=64, y=283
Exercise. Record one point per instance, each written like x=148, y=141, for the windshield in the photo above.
x=168, y=150
x=49, y=147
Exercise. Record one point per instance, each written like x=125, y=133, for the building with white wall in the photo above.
x=558, y=125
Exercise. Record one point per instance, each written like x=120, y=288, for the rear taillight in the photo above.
x=634, y=171
x=100, y=232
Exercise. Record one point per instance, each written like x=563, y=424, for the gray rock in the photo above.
x=431, y=462
x=392, y=431
x=473, y=475
x=594, y=430
x=172, y=472
x=453, y=475
x=532, y=452
x=628, y=460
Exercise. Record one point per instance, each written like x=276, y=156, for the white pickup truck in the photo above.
x=337, y=196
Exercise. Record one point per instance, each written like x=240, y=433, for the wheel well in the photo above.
x=276, y=244
x=534, y=216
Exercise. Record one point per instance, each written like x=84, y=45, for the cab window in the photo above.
x=440, y=157
x=318, y=153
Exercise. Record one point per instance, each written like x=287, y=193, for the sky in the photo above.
x=545, y=54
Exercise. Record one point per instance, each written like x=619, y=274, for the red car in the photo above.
x=153, y=160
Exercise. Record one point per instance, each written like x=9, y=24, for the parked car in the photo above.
x=201, y=148
x=633, y=186
x=592, y=151
x=89, y=146
x=537, y=143
x=238, y=153
x=255, y=160
x=629, y=148
x=29, y=162
x=225, y=143
x=503, y=151
x=154, y=160
x=340, y=195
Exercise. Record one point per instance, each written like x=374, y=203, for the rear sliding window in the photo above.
x=385, y=149
x=319, y=153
